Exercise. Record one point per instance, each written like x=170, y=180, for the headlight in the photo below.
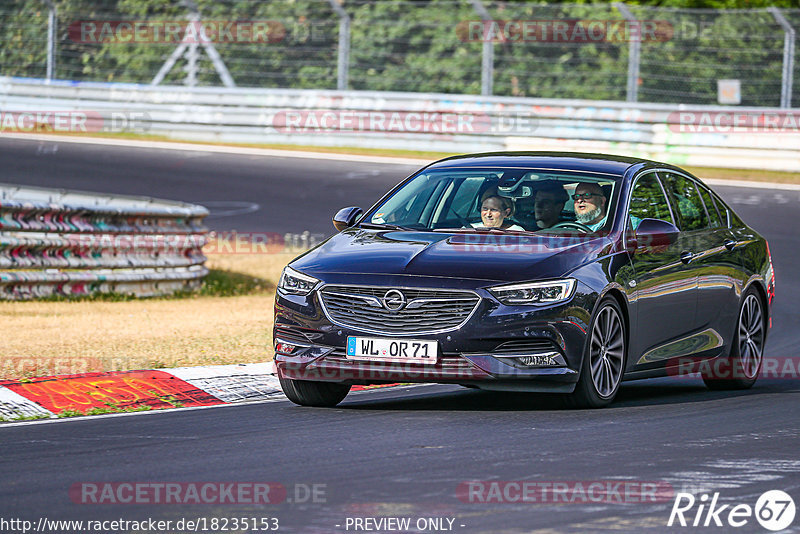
x=535, y=292
x=296, y=283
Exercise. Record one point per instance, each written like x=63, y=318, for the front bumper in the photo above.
x=484, y=352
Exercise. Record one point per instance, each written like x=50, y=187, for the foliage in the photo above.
x=415, y=45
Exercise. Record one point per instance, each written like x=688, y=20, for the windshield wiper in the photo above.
x=381, y=226
x=480, y=230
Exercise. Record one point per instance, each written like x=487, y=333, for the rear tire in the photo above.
x=308, y=393
x=747, y=349
x=604, y=358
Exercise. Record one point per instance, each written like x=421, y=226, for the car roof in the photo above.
x=568, y=161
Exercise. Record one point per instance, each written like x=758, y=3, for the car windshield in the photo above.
x=501, y=199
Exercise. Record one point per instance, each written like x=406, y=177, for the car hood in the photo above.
x=496, y=257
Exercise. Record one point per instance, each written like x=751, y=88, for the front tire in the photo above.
x=308, y=393
x=747, y=350
x=603, y=359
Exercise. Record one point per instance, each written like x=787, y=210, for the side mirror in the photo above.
x=655, y=233
x=346, y=217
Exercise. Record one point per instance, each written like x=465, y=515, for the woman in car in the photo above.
x=494, y=212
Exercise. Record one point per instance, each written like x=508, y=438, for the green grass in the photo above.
x=22, y=417
x=218, y=283
x=169, y=399
x=221, y=283
x=98, y=410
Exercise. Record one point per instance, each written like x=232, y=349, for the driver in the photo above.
x=548, y=204
x=590, y=205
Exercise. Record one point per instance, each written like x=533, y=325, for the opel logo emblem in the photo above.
x=394, y=300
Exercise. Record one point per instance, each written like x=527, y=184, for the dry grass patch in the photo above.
x=46, y=337
x=750, y=175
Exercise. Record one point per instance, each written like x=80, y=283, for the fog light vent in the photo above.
x=285, y=348
x=537, y=359
x=540, y=360
x=526, y=346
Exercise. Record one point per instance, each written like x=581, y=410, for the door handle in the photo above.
x=730, y=244
x=687, y=256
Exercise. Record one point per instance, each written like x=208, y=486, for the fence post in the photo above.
x=788, y=57
x=487, y=54
x=194, y=32
x=344, y=46
x=634, y=53
x=191, y=66
x=52, y=21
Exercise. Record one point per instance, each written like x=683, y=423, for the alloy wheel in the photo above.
x=607, y=351
x=751, y=336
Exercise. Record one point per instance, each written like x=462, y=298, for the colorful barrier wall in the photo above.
x=71, y=243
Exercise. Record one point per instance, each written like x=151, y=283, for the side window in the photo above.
x=441, y=188
x=686, y=200
x=442, y=203
x=464, y=198
x=713, y=215
x=724, y=212
x=648, y=201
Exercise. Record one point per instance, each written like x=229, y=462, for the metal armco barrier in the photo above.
x=68, y=243
x=765, y=138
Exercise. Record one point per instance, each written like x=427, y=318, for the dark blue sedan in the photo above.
x=548, y=272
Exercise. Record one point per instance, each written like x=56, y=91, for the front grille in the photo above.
x=302, y=336
x=426, y=311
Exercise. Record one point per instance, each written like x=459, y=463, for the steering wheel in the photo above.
x=573, y=224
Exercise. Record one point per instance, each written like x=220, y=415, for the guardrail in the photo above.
x=58, y=242
x=716, y=136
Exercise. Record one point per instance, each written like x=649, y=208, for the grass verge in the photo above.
x=228, y=322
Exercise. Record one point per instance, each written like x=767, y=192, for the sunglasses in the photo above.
x=585, y=196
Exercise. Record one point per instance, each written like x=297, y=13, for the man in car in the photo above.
x=590, y=205
x=548, y=204
x=544, y=208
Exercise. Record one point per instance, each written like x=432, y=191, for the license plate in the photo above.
x=392, y=350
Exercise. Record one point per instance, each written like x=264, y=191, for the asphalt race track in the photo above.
x=403, y=452
x=292, y=194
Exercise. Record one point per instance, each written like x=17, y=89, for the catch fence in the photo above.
x=587, y=51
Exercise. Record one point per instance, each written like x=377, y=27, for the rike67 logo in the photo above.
x=774, y=510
